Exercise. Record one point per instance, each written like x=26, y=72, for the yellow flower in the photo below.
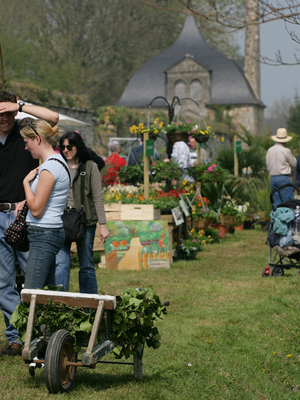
x=203, y=241
x=222, y=138
x=184, y=182
x=289, y=355
x=209, y=341
x=274, y=353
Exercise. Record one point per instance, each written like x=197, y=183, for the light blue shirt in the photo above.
x=58, y=196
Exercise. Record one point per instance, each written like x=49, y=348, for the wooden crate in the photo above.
x=167, y=217
x=113, y=211
x=139, y=212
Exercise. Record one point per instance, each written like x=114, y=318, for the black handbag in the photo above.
x=16, y=234
x=75, y=221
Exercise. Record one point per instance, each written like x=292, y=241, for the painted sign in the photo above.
x=139, y=245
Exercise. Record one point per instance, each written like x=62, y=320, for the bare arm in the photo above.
x=36, y=111
x=37, y=202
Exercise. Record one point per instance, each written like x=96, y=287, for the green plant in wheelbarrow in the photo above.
x=133, y=321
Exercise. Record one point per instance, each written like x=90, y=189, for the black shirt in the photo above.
x=15, y=164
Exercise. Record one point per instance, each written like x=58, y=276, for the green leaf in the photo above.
x=85, y=326
x=132, y=316
x=135, y=302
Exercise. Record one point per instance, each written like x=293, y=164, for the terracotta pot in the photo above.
x=222, y=230
x=240, y=227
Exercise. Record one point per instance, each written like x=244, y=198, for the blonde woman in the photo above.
x=46, y=190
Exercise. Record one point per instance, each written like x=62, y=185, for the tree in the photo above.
x=236, y=15
x=293, y=120
x=87, y=47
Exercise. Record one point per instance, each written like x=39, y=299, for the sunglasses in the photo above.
x=69, y=147
x=32, y=127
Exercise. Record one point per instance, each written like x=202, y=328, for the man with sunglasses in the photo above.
x=15, y=164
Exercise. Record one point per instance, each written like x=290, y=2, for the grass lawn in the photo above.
x=228, y=334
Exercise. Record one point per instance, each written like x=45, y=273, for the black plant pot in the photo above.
x=202, y=138
x=248, y=225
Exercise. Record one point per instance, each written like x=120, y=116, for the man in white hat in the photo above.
x=280, y=162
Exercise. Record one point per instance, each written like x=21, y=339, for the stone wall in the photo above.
x=250, y=117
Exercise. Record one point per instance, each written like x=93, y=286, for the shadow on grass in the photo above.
x=97, y=379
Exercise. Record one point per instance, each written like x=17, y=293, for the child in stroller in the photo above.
x=285, y=257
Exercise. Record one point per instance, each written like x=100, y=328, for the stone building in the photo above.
x=191, y=68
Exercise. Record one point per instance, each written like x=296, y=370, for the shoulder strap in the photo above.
x=63, y=164
x=82, y=173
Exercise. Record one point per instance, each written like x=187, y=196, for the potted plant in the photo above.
x=183, y=130
x=240, y=216
x=165, y=171
x=153, y=130
x=203, y=215
x=189, y=247
x=131, y=174
x=228, y=212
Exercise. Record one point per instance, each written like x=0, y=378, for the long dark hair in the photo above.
x=75, y=140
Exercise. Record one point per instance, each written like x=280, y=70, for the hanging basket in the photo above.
x=201, y=138
x=178, y=136
x=226, y=219
x=202, y=223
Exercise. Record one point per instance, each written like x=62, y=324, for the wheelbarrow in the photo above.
x=60, y=361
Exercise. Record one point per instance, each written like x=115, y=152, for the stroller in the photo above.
x=281, y=258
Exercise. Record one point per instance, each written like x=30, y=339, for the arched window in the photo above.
x=196, y=89
x=180, y=89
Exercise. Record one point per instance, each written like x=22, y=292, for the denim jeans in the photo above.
x=87, y=274
x=9, y=260
x=284, y=194
x=44, y=244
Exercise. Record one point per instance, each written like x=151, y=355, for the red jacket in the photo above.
x=114, y=163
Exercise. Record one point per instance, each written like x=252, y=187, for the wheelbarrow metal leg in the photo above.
x=96, y=326
x=138, y=363
x=89, y=356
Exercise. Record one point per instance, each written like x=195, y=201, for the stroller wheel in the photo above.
x=276, y=271
x=265, y=272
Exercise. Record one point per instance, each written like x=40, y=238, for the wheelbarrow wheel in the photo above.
x=59, y=376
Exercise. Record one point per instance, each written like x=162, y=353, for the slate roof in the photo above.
x=228, y=83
